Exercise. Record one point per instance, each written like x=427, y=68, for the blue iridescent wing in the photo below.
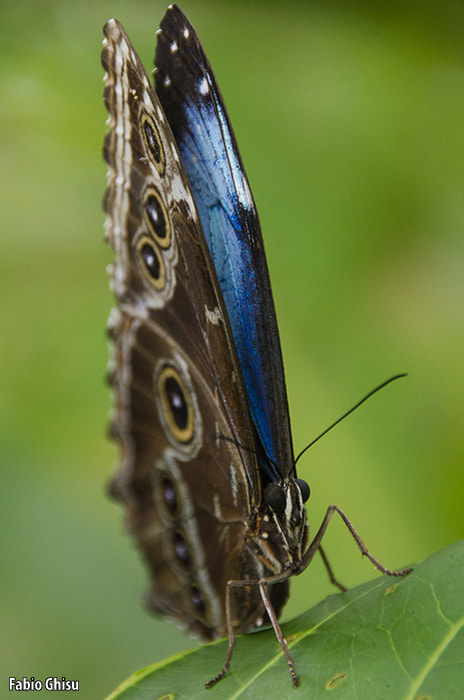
x=194, y=107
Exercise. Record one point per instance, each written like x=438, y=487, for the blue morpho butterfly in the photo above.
x=207, y=471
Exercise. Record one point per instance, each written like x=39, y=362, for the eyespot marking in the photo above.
x=197, y=599
x=156, y=218
x=176, y=404
x=181, y=548
x=153, y=143
x=151, y=263
x=170, y=496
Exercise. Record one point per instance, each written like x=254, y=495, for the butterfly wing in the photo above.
x=193, y=104
x=189, y=493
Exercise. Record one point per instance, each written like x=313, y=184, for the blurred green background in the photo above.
x=350, y=120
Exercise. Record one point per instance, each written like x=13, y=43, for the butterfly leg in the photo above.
x=278, y=632
x=316, y=543
x=231, y=635
x=330, y=571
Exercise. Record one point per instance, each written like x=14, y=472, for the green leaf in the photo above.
x=389, y=638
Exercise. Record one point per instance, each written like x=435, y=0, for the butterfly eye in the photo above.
x=275, y=497
x=304, y=489
x=153, y=143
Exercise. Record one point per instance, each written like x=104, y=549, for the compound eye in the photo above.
x=275, y=497
x=304, y=489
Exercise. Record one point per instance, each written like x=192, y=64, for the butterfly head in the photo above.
x=285, y=513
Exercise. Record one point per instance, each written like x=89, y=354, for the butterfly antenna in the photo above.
x=237, y=444
x=345, y=415
x=248, y=449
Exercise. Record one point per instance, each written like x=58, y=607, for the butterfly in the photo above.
x=207, y=471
